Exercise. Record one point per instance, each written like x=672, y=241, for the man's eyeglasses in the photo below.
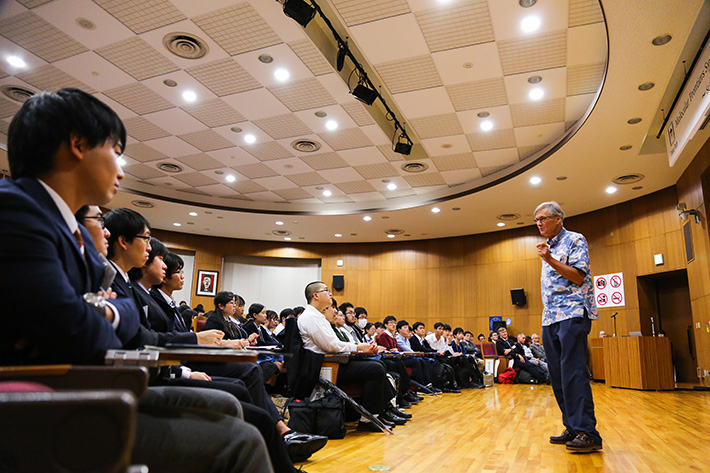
x=100, y=218
x=143, y=237
x=542, y=219
x=323, y=290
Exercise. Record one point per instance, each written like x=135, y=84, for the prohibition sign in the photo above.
x=616, y=298
x=615, y=281
x=602, y=299
x=601, y=283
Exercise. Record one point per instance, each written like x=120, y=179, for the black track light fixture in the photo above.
x=365, y=94
x=403, y=144
x=299, y=10
x=340, y=59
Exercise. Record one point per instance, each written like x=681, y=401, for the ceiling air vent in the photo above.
x=281, y=233
x=414, y=167
x=185, y=45
x=394, y=231
x=508, y=217
x=16, y=93
x=169, y=167
x=306, y=146
x=143, y=204
x=628, y=179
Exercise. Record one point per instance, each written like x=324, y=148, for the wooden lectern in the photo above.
x=638, y=363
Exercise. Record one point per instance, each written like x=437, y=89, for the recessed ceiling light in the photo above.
x=661, y=40
x=625, y=147
x=331, y=125
x=367, y=218
x=338, y=235
x=170, y=83
x=320, y=114
x=500, y=224
x=391, y=186
x=611, y=189
x=527, y=3
x=536, y=94
x=483, y=114
x=561, y=178
x=535, y=180
x=176, y=224
x=646, y=86
x=266, y=59
x=15, y=61
x=281, y=74
x=391, y=236
x=530, y=24
x=121, y=161
x=534, y=79
x=192, y=214
x=486, y=125
x=436, y=210
x=633, y=121
x=327, y=193
x=279, y=222
x=236, y=129
x=189, y=96
x=230, y=178
x=467, y=65
x=250, y=138
x=287, y=238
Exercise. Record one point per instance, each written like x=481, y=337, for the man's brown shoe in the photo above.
x=563, y=438
x=583, y=443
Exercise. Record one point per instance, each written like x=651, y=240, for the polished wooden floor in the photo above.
x=505, y=428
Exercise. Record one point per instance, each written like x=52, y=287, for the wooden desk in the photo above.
x=596, y=358
x=638, y=363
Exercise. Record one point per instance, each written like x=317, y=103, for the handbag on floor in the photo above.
x=324, y=416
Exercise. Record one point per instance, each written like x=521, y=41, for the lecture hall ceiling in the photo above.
x=251, y=147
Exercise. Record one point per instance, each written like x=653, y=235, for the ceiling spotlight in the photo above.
x=392, y=186
x=390, y=235
x=527, y=3
x=192, y=214
x=483, y=114
x=535, y=180
x=625, y=147
x=367, y=218
x=279, y=222
x=364, y=94
x=15, y=61
x=230, y=178
x=611, y=189
x=331, y=125
x=486, y=125
x=536, y=94
x=266, y=59
x=299, y=10
x=661, y=40
x=340, y=59
x=176, y=224
x=435, y=210
x=403, y=147
x=287, y=238
x=500, y=224
x=281, y=74
x=327, y=193
x=121, y=161
x=633, y=121
x=250, y=138
x=338, y=235
x=534, y=79
x=530, y=24
x=189, y=96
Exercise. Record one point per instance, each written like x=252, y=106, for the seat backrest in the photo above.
x=198, y=323
x=488, y=349
x=303, y=366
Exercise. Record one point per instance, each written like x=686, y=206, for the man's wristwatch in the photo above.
x=97, y=302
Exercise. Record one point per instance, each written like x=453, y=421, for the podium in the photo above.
x=638, y=363
x=596, y=358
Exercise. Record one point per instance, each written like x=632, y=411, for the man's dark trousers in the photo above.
x=566, y=347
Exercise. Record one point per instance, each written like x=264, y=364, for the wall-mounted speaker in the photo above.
x=338, y=282
x=517, y=297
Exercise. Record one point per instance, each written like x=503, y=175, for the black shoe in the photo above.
x=403, y=403
x=387, y=423
x=447, y=390
x=367, y=427
x=302, y=446
x=401, y=414
x=563, y=438
x=389, y=416
x=583, y=443
x=412, y=398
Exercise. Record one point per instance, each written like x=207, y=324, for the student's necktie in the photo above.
x=79, y=241
x=178, y=320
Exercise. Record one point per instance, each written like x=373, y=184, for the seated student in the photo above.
x=481, y=338
x=351, y=322
x=256, y=319
x=421, y=367
x=361, y=316
x=62, y=150
x=418, y=339
x=162, y=293
x=369, y=332
x=493, y=337
x=437, y=341
x=379, y=328
x=388, y=340
x=314, y=325
x=536, y=348
x=442, y=375
x=474, y=351
x=467, y=369
x=285, y=314
x=272, y=321
x=298, y=310
x=224, y=318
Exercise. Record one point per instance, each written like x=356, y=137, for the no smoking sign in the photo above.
x=609, y=290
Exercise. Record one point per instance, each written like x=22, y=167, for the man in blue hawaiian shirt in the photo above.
x=568, y=301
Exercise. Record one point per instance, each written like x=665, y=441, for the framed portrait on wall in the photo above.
x=207, y=282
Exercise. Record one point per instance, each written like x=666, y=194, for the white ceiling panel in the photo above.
x=375, y=39
x=422, y=103
x=468, y=64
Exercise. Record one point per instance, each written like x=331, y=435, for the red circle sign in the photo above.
x=615, y=281
x=616, y=298
x=602, y=299
x=601, y=283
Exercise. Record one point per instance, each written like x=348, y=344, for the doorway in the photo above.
x=664, y=304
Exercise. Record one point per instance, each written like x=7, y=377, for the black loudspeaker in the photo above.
x=338, y=282
x=517, y=297
x=498, y=324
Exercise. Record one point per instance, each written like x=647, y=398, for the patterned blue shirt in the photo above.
x=561, y=298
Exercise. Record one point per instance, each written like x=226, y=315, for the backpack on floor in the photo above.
x=507, y=376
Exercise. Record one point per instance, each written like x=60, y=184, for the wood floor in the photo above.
x=505, y=428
